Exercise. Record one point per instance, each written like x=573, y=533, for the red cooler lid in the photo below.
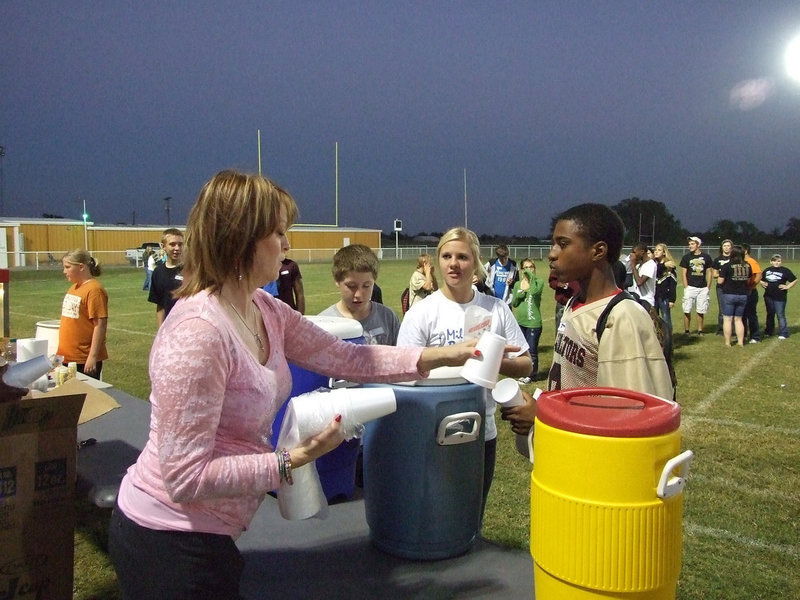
x=608, y=412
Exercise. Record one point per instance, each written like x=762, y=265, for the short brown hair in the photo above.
x=355, y=257
x=170, y=231
x=232, y=212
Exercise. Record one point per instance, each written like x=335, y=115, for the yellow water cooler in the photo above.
x=606, y=495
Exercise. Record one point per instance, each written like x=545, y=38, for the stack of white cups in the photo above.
x=309, y=414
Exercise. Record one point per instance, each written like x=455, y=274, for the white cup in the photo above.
x=483, y=371
x=315, y=410
x=358, y=406
x=305, y=498
x=508, y=393
x=28, y=348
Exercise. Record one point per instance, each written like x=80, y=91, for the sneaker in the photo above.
x=781, y=337
x=686, y=332
x=753, y=341
x=700, y=333
x=524, y=380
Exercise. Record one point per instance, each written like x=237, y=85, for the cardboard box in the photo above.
x=38, y=444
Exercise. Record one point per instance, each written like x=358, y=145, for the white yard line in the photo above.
x=721, y=534
x=697, y=418
x=692, y=420
x=731, y=485
x=706, y=403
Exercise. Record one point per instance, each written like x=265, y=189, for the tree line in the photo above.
x=652, y=222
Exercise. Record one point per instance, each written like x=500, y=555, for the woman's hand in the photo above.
x=453, y=355
x=520, y=417
x=317, y=445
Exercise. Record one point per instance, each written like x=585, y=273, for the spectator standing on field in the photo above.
x=722, y=259
x=666, y=283
x=290, y=286
x=734, y=277
x=423, y=280
x=501, y=274
x=643, y=271
x=776, y=280
x=526, y=300
x=149, y=260
x=751, y=328
x=167, y=276
x=563, y=292
x=696, y=272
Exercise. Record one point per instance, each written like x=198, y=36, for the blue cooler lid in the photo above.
x=341, y=327
x=608, y=412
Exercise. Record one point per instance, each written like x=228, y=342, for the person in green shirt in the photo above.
x=526, y=299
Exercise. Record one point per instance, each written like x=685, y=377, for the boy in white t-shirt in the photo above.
x=643, y=271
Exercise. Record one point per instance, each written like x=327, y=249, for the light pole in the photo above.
x=398, y=227
x=2, y=180
x=85, y=234
x=166, y=208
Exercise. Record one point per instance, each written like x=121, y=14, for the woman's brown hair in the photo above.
x=233, y=212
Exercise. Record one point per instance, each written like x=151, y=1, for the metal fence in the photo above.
x=52, y=260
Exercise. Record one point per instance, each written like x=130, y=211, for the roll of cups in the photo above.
x=483, y=371
x=508, y=393
x=23, y=374
x=61, y=375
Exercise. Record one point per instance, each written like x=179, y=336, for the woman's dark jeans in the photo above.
x=532, y=335
x=662, y=305
x=173, y=565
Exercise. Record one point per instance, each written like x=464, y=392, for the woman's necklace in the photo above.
x=253, y=332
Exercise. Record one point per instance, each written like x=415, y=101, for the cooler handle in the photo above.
x=647, y=399
x=669, y=486
x=455, y=429
x=529, y=438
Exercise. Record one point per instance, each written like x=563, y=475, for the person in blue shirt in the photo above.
x=502, y=274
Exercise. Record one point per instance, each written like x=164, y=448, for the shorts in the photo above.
x=695, y=296
x=732, y=305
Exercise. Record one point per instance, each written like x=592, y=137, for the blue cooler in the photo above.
x=337, y=469
x=423, y=471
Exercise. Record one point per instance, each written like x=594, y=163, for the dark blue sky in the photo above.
x=546, y=104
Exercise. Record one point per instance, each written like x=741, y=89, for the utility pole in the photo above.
x=2, y=180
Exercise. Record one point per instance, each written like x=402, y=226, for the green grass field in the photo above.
x=741, y=417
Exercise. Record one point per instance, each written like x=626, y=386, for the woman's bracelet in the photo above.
x=284, y=465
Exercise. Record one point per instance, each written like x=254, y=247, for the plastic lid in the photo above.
x=608, y=412
x=341, y=327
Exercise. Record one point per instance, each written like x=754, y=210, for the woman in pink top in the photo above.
x=219, y=374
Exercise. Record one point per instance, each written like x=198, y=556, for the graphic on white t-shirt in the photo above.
x=71, y=306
